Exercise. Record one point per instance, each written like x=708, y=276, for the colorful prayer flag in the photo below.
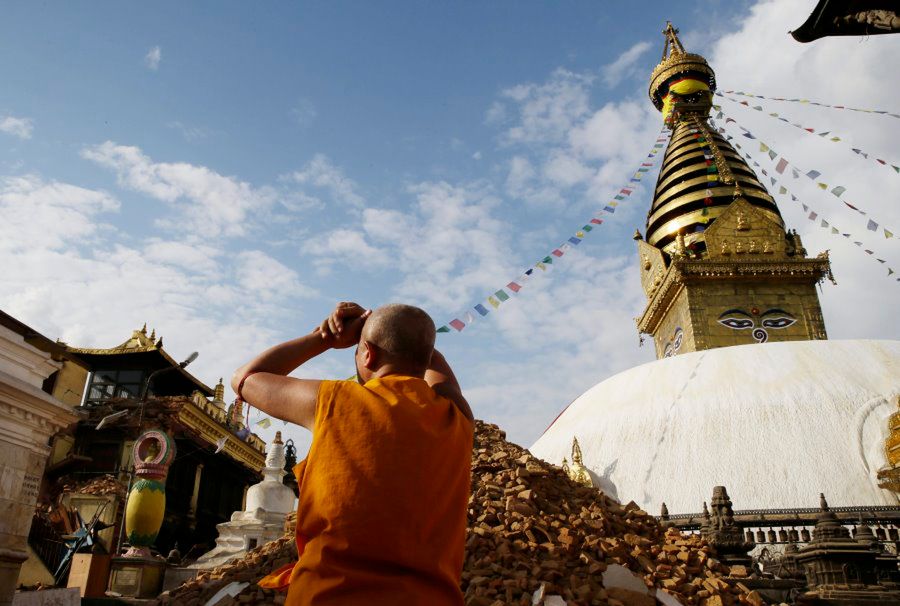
x=872, y=225
x=494, y=302
x=813, y=174
x=574, y=240
x=557, y=252
x=444, y=328
x=837, y=191
x=501, y=294
x=782, y=164
x=481, y=309
x=265, y=423
x=514, y=287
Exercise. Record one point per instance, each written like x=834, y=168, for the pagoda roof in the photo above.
x=140, y=349
x=849, y=18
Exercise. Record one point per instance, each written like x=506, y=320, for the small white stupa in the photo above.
x=262, y=520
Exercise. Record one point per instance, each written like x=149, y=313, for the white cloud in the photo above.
x=266, y=278
x=320, y=172
x=304, y=113
x=208, y=202
x=624, y=65
x=346, y=246
x=17, y=127
x=153, y=57
x=49, y=215
x=547, y=111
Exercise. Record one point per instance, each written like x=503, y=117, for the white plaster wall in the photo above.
x=776, y=423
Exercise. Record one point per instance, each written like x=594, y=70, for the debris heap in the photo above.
x=534, y=531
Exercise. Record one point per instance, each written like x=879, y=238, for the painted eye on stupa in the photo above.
x=736, y=323
x=777, y=318
x=679, y=337
x=669, y=351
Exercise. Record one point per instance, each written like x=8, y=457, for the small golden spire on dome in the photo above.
x=637, y=235
x=278, y=438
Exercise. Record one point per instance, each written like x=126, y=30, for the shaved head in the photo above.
x=405, y=334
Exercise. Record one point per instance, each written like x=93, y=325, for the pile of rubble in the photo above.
x=533, y=532
x=99, y=485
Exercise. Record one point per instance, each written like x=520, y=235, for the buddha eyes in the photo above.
x=737, y=323
x=780, y=322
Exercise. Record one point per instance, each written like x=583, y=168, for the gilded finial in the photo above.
x=153, y=335
x=823, y=504
x=673, y=44
x=144, y=329
x=576, y=451
x=278, y=438
x=159, y=343
x=637, y=235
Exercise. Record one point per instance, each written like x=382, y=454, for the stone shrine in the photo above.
x=262, y=520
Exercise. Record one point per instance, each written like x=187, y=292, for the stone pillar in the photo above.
x=195, y=495
x=28, y=419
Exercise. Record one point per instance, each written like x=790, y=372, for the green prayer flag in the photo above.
x=444, y=328
x=501, y=294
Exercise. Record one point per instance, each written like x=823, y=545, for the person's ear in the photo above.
x=369, y=355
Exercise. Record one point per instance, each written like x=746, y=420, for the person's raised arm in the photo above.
x=263, y=382
x=442, y=380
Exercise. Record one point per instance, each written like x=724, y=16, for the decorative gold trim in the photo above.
x=720, y=192
x=251, y=454
x=694, y=167
x=675, y=191
x=673, y=226
x=696, y=216
x=690, y=271
x=676, y=64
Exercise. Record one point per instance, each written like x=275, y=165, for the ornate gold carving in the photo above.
x=742, y=223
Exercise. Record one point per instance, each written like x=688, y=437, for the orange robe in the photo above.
x=381, y=518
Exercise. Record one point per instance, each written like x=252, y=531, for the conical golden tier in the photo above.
x=680, y=201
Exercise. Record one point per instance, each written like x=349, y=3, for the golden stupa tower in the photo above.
x=717, y=265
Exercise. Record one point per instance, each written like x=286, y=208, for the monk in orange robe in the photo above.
x=381, y=517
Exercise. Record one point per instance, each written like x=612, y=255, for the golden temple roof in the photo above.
x=140, y=343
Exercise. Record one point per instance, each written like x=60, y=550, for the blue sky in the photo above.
x=226, y=172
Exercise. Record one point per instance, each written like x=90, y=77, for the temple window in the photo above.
x=106, y=384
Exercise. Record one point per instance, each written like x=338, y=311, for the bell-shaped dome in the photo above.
x=777, y=423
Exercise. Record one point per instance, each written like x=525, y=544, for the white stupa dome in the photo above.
x=776, y=423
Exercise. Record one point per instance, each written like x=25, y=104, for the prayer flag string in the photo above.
x=826, y=135
x=816, y=218
x=504, y=294
x=808, y=102
x=783, y=164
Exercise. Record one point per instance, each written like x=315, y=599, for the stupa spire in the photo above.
x=712, y=221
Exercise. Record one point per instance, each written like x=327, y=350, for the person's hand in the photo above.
x=343, y=327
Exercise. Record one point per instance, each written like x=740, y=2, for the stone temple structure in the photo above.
x=747, y=392
x=262, y=520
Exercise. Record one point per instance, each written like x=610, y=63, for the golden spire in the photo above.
x=672, y=41
x=701, y=174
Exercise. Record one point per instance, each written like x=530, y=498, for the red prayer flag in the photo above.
x=514, y=287
x=557, y=253
x=782, y=164
x=457, y=324
x=596, y=221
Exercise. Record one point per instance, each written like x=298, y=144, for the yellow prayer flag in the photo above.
x=822, y=186
x=494, y=302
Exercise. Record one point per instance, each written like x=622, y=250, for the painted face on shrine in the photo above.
x=759, y=323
